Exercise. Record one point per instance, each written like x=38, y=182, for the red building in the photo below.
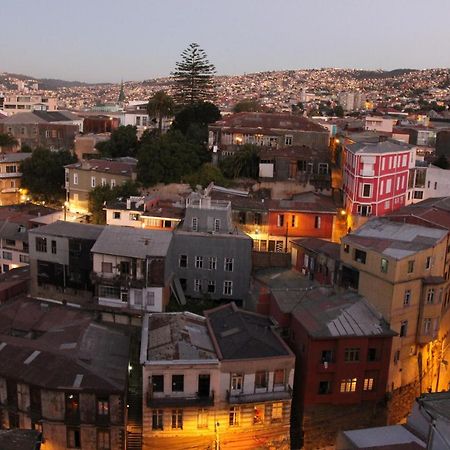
x=375, y=178
x=342, y=348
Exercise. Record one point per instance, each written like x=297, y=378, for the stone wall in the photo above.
x=400, y=402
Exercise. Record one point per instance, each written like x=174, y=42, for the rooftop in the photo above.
x=23, y=212
x=242, y=334
x=180, y=336
x=13, y=157
x=132, y=242
x=13, y=231
x=122, y=167
x=19, y=439
x=387, y=146
x=305, y=202
x=57, y=347
x=69, y=230
x=36, y=117
x=436, y=404
x=316, y=245
x=394, y=239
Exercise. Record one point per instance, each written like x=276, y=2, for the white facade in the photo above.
x=428, y=182
x=383, y=124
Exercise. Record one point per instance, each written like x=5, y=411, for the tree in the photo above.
x=6, y=140
x=442, y=162
x=338, y=111
x=101, y=194
x=193, y=76
x=43, y=173
x=160, y=105
x=123, y=142
x=243, y=163
x=207, y=173
x=168, y=159
x=247, y=105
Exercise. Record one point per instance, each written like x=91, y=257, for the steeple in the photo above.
x=121, y=98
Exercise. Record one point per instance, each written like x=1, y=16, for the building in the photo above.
x=55, y=130
x=268, y=130
x=61, y=261
x=13, y=246
x=211, y=258
x=18, y=103
x=375, y=178
x=84, y=147
x=136, y=115
x=10, y=177
x=351, y=101
x=82, y=177
x=131, y=268
x=401, y=269
x=63, y=375
x=204, y=385
x=18, y=439
x=380, y=123
x=427, y=181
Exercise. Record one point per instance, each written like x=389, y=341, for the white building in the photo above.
x=378, y=123
x=15, y=103
x=428, y=181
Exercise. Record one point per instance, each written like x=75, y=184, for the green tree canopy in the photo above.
x=442, y=162
x=207, y=173
x=247, y=105
x=160, y=105
x=243, y=163
x=43, y=173
x=169, y=159
x=6, y=140
x=123, y=142
x=101, y=194
x=193, y=76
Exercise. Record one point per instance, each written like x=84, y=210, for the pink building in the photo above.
x=376, y=177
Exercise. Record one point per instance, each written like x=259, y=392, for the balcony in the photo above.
x=118, y=280
x=185, y=401
x=258, y=397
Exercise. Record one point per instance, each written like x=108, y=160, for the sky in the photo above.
x=110, y=40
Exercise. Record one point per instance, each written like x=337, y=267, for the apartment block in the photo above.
x=13, y=103
x=10, y=177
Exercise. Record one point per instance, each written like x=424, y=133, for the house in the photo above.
x=136, y=115
x=61, y=261
x=342, y=347
x=63, y=375
x=427, y=181
x=380, y=123
x=269, y=130
x=401, y=269
x=82, y=177
x=204, y=385
x=375, y=178
x=131, y=268
x=10, y=178
x=210, y=256
x=15, y=104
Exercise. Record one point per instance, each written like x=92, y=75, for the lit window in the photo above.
x=177, y=419
x=368, y=384
x=258, y=414
x=103, y=406
x=348, y=385
x=277, y=412
x=202, y=418
x=234, y=416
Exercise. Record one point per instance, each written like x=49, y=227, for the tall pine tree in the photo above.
x=193, y=76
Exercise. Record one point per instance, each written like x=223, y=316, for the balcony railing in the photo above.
x=118, y=280
x=182, y=401
x=240, y=397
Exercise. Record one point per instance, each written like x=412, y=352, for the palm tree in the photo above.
x=160, y=105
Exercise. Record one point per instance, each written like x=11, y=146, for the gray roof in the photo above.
x=132, y=242
x=70, y=230
x=388, y=146
x=35, y=117
x=180, y=336
x=244, y=335
x=13, y=157
x=325, y=313
x=394, y=239
x=13, y=231
x=18, y=439
x=436, y=404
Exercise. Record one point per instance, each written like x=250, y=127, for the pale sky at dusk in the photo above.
x=106, y=40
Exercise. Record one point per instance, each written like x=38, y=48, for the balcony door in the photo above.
x=203, y=385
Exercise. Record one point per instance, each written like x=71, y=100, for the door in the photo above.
x=203, y=385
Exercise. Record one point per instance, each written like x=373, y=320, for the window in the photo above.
x=75, y=178
x=407, y=297
x=396, y=356
x=234, y=416
x=177, y=419
x=228, y=264
x=10, y=242
x=346, y=248
x=53, y=247
x=5, y=268
x=211, y=287
x=216, y=225
x=134, y=216
x=430, y=295
x=288, y=140
x=384, y=265
x=323, y=168
x=183, y=261
x=237, y=381
x=24, y=259
x=177, y=383
x=368, y=384
x=372, y=354
x=426, y=326
x=293, y=221
x=348, y=385
x=411, y=266
x=383, y=163
x=103, y=406
x=428, y=262
x=388, y=186
x=202, y=418
x=212, y=263
x=366, y=190
x=109, y=292
x=435, y=185
x=277, y=412
x=7, y=255
x=103, y=181
x=381, y=187
x=157, y=419
x=360, y=256
x=113, y=182
x=157, y=383
x=261, y=380
x=199, y=262
x=106, y=267
x=228, y=287
x=103, y=440
x=351, y=354
x=116, y=215
x=258, y=414
x=93, y=182
x=150, y=298
x=73, y=438
x=317, y=221
x=257, y=219
x=324, y=387
x=278, y=377
x=403, y=328
x=195, y=224
x=327, y=356
x=197, y=285
x=280, y=220
x=41, y=245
